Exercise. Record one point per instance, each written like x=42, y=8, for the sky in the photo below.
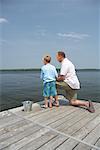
x=31, y=29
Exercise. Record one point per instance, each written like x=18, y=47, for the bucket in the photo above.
x=27, y=105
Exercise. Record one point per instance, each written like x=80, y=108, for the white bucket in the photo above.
x=27, y=105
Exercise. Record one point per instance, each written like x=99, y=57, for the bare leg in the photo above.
x=87, y=104
x=46, y=102
x=50, y=103
x=56, y=101
x=71, y=96
x=76, y=102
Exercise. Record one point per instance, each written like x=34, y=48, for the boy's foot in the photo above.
x=44, y=106
x=91, y=107
x=56, y=103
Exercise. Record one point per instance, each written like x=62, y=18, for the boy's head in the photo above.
x=47, y=59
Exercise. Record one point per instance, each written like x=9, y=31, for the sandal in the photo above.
x=56, y=104
x=91, y=107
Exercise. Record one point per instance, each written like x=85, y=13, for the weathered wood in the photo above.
x=63, y=128
x=81, y=123
x=53, y=116
x=68, y=145
x=58, y=116
x=7, y=120
x=82, y=147
x=14, y=138
x=13, y=132
x=87, y=128
x=27, y=139
x=72, y=121
x=4, y=114
x=68, y=116
x=97, y=143
x=47, y=114
x=37, y=143
x=93, y=136
x=54, y=143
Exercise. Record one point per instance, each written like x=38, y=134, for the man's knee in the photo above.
x=73, y=102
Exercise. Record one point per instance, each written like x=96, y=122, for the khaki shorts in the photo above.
x=64, y=89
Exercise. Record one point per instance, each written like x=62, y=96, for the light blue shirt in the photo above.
x=48, y=73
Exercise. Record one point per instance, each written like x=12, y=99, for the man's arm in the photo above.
x=61, y=78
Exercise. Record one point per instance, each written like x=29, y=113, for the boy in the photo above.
x=49, y=75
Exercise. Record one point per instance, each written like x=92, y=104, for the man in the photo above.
x=69, y=82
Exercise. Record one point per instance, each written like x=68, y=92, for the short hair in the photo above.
x=60, y=53
x=47, y=58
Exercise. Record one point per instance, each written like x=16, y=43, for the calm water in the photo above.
x=17, y=86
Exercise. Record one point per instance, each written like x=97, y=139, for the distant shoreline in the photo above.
x=38, y=69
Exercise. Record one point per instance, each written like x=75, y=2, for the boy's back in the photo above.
x=48, y=73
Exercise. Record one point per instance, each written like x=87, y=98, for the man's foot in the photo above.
x=56, y=103
x=91, y=107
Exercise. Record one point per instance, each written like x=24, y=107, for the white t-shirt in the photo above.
x=68, y=70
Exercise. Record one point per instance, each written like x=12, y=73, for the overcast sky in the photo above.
x=31, y=29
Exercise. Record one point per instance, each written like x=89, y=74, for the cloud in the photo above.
x=73, y=35
x=40, y=31
x=3, y=42
x=3, y=20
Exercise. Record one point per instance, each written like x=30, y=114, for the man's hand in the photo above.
x=61, y=78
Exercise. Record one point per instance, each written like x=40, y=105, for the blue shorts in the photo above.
x=49, y=89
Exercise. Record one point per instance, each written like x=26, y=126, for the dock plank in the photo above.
x=54, y=143
x=63, y=128
x=55, y=115
x=93, y=136
x=27, y=139
x=7, y=120
x=45, y=138
x=67, y=117
x=48, y=113
x=87, y=128
x=72, y=121
x=81, y=123
x=14, y=138
x=97, y=143
x=68, y=145
x=13, y=126
x=59, y=116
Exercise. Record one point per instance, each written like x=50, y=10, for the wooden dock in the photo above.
x=62, y=128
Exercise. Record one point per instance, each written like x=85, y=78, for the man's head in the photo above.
x=47, y=59
x=60, y=56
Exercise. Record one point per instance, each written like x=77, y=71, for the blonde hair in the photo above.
x=47, y=58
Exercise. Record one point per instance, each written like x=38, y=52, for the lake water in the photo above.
x=17, y=86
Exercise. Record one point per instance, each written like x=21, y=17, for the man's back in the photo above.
x=68, y=70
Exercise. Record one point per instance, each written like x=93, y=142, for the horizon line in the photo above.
x=30, y=69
